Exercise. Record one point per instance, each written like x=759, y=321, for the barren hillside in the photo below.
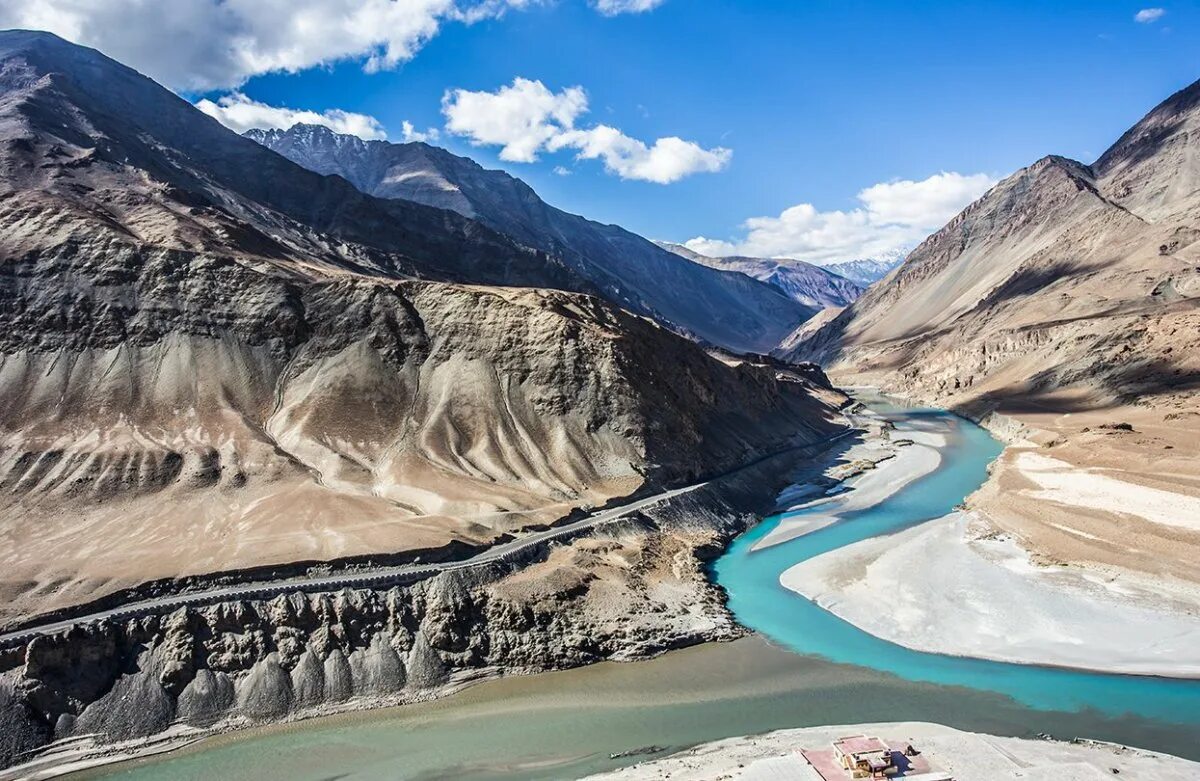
x=212, y=359
x=1067, y=300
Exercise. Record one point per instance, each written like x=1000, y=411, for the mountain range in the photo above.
x=295, y=423
x=719, y=307
x=868, y=271
x=813, y=286
x=215, y=359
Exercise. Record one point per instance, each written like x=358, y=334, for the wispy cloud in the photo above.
x=1149, y=15
x=615, y=7
x=526, y=119
x=239, y=112
x=892, y=215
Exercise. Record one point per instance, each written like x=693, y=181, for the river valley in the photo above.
x=806, y=667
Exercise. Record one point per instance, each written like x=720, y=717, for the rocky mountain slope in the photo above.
x=90, y=140
x=723, y=308
x=810, y=285
x=1066, y=303
x=203, y=368
x=868, y=271
x=1040, y=284
x=219, y=367
x=631, y=590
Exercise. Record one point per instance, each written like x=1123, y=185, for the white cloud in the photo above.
x=560, y=170
x=480, y=10
x=1149, y=15
x=929, y=202
x=218, y=44
x=893, y=215
x=240, y=113
x=410, y=133
x=615, y=7
x=527, y=118
x=521, y=118
x=669, y=160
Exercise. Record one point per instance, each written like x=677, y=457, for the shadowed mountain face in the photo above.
x=810, y=285
x=721, y=307
x=1065, y=280
x=159, y=170
x=212, y=358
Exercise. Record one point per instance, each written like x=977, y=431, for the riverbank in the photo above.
x=955, y=586
x=1115, y=491
x=866, y=475
x=672, y=699
x=1087, y=526
x=629, y=589
x=572, y=723
x=966, y=756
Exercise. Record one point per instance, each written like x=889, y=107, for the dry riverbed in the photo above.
x=867, y=475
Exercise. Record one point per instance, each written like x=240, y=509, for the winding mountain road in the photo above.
x=385, y=575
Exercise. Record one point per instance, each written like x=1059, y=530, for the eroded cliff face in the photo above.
x=172, y=414
x=212, y=359
x=632, y=589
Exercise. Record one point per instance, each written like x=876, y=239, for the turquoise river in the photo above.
x=804, y=667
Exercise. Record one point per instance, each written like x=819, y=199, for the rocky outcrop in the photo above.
x=322, y=414
x=632, y=589
x=726, y=309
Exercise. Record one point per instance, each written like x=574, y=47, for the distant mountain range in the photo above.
x=720, y=307
x=811, y=285
x=868, y=271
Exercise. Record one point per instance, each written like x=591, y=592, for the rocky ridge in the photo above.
x=1063, y=277
x=722, y=308
x=630, y=590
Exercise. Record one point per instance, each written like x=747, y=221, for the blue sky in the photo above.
x=816, y=100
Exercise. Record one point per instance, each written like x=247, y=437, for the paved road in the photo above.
x=377, y=577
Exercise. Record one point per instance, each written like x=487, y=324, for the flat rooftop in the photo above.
x=860, y=744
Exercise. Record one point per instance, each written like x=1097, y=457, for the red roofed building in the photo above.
x=862, y=755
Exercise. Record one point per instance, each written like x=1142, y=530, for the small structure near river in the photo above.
x=862, y=756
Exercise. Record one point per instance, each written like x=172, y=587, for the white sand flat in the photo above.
x=1060, y=482
x=934, y=588
x=865, y=491
x=967, y=756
